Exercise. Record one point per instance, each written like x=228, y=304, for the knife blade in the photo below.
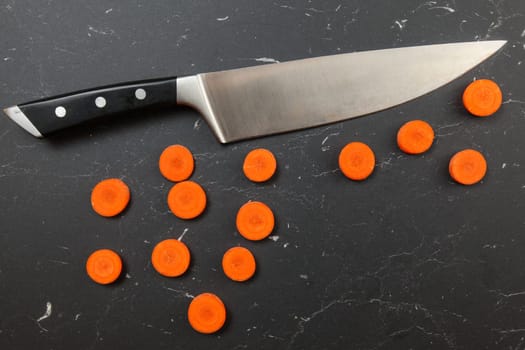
x=262, y=100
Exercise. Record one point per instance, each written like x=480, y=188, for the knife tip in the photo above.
x=494, y=45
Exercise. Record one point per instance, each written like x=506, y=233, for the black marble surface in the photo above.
x=405, y=260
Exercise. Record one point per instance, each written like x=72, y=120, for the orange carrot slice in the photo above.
x=259, y=165
x=238, y=264
x=255, y=221
x=415, y=137
x=176, y=163
x=467, y=167
x=206, y=313
x=357, y=161
x=110, y=197
x=187, y=200
x=170, y=258
x=482, y=98
x=104, y=266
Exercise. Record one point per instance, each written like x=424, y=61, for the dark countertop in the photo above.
x=405, y=260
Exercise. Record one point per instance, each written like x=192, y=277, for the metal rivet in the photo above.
x=100, y=102
x=140, y=94
x=60, y=112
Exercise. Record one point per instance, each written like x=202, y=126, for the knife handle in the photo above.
x=44, y=116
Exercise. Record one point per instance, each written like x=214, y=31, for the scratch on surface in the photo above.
x=182, y=293
x=266, y=60
x=183, y=233
x=181, y=38
x=304, y=320
x=328, y=136
x=428, y=4
x=500, y=19
x=47, y=314
x=324, y=173
x=59, y=262
x=507, y=331
x=4, y=133
x=49, y=311
x=386, y=162
x=271, y=336
x=401, y=23
x=101, y=31
x=513, y=101
x=313, y=9
x=221, y=19
x=446, y=8
x=446, y=127
x=97, y=323
x=197, y=124
x=108, y=11
x=491, y=246
x=463, y=21
x=327, y=147
x=507, y=295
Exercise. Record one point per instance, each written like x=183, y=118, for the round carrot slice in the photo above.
x=176, y=163
x=171, y=258
x=187, y=200
x=110, y=197
x=467, y=167
x=357, y=161
x=259, y=165
x=238, y=264
x=482, y=98
x=104, y=266
x=206, y=313
x=415, y=137
x=255, y=221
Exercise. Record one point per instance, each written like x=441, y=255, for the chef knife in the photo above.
x=262, y=100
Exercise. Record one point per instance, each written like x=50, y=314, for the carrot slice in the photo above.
x=255, y=221
x=170, y=258
x=357, y=161
x=238, y=264
x=259, y=165
x=206, y=313
x=104, y=266
x=467, y=167
x=187, y=200
x=482, y=98
x=176, y=163
x=110, y=197
x=415, y=137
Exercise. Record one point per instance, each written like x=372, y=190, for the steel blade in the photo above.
x=262, y=100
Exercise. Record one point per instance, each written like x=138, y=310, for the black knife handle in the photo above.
x=59, y=112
